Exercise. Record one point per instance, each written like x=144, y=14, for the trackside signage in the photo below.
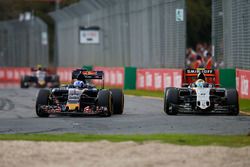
x=243, y=83
x=65, y=74
x=158, y=79
x=113, y=76
x=13, y=74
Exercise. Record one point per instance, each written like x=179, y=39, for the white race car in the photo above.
x=201, y=97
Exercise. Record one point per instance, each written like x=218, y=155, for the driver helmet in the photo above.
x=199, y=83
x=201, y=76
x=39, y=67
x=79, y=84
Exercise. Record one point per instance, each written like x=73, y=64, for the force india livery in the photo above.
x=80, y=97
x=39, y=78
x=201, y=96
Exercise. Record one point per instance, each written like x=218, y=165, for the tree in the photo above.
x=198, y=22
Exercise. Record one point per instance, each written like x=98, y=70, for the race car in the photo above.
x=40, y=79
x=201, y=96
x=81, y=97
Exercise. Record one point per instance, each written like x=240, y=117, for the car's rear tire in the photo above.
x=171, y=97
x=105, y=100
x=233, y=102
x=42, y=99
x=24, y=82
x=118, y=101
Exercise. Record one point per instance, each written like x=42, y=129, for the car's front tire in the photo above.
x=105, y=100
x=233, y=102
x=171, y=97
x=118, y=101
x=42, y=99
x=24, y=82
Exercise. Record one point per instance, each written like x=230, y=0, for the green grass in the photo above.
x=179, y=139
x=144, y=93
x=244, y=103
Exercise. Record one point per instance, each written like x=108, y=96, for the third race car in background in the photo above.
x=201, y=95
x=39, y=78
x=81, y=97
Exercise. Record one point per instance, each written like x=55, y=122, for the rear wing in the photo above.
x=93, y=74
x=194, y=72
x=190, y=75
x=34, y=69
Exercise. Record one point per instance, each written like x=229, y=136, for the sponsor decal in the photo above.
x=157, y=80
x=244, y=86
x=149, y=79
x=167, y=80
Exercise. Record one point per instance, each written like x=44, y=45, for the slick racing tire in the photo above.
x=42, y=99
x=233, y=102
x=118, y=101
x=24, y=82
x=105, y=100
x=171, y=97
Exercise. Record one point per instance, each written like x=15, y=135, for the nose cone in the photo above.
x=71, y=107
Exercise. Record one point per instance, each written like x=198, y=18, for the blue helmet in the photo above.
x=79, y=84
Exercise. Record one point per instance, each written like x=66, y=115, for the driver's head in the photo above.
x=200, y=83
x=79, y=84
x=39, y=67
x=201, y=76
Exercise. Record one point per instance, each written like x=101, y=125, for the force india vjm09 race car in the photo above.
x=39, y=78
x=80, y=97
x=200, y=96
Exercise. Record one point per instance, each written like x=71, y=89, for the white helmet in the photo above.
x=79, y=84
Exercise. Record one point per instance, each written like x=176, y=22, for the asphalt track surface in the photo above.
x=141, y=116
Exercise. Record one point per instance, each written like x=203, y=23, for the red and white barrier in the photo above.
x=113, y=76
x=13, y=74
x=243, y=83
x=158, y=79
x=65, y=74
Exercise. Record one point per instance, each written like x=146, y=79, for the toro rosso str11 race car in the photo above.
x=200, y=96
x=81, y=97
x=39, y=78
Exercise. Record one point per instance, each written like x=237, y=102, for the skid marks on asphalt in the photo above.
x=6, y=104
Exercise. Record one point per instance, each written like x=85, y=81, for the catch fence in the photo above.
x=140, y=33
x=23, y=43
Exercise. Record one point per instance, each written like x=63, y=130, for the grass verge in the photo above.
x=179, y=139
x=244, y=103
x=144, y=93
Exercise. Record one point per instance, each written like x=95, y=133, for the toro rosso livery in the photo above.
x=201, y=96
x=39, y=78
x=80, y=97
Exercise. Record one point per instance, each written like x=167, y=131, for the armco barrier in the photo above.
x=242, y=83
x=158, y=79
x=12, y=74
x=113, y=76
